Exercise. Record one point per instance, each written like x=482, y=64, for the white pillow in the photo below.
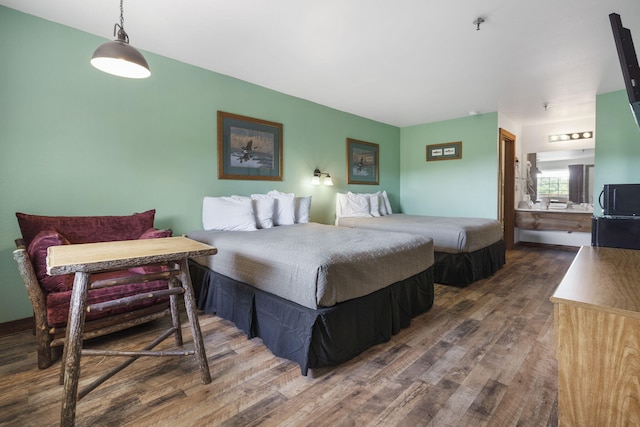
x=284, y=211
x=266, y=216
x=340, y=201
x=386, y=202
x=374, y=204
x=381, y=204
x=356, y=205
x=262, y=210
x=302, y=209
x=228, y=214
x=343, y=206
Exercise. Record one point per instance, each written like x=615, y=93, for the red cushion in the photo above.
x=37, y=251
x=58, y=302
x=87, y=229
x=152, y=233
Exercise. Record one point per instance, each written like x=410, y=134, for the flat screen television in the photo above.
x=628, y=63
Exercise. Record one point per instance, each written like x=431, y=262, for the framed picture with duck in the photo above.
x=249, y=148
x=362, y=162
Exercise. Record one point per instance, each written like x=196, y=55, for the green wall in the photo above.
x=617, y=143
x=466, y=187
x=76, y=141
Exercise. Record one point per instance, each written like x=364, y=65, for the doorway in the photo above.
x=507, y=185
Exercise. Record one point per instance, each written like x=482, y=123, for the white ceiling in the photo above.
x=401, y=62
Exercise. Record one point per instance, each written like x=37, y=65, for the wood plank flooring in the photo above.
x=483, y=356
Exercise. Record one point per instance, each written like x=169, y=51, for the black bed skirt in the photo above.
x=314, y=338
x=464, y=268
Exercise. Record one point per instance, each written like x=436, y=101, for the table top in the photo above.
x=91, y=257
x=607, y=279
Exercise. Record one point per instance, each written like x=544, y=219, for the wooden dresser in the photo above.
x=597, y=339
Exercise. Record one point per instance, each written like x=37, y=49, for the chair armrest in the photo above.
x=34, y=291
x=20, y=243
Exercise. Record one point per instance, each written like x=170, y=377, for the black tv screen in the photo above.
x=628, y=63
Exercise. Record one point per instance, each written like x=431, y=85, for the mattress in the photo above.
x=316, y=265
x=449, y=234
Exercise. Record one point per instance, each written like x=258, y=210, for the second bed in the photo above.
x=466, y=249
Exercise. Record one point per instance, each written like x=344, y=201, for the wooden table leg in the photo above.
x=190, y=305
x=175, y=313
x=73, y=347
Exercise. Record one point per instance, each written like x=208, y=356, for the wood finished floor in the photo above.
x=482, y=356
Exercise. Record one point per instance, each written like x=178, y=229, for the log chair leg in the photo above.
x=45, y=351
x=190, y=305
x=73, y=348
x=56, y=353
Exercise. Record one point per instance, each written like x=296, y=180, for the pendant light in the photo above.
x=118, y=57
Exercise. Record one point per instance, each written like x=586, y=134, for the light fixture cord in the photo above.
x=122, y=14
x=119, y=29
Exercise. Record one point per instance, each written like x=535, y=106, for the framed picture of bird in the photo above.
x=362, y=162
x=249, y=148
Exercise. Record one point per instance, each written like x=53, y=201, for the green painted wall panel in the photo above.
x=76, y=141
x=617, y=143
x=465, y=187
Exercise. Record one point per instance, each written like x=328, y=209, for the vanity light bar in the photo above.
x=571, y=136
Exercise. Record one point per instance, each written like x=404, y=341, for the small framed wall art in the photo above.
x=446, y=151
x=249, y=148
x=362, y=162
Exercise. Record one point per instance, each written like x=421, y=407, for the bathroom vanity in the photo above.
x=554, y=219
x=558, y=212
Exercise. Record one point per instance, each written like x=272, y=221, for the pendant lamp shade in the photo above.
x=118, y=57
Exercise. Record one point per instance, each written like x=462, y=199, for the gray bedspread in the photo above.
x=316, y=265
x=449, y=234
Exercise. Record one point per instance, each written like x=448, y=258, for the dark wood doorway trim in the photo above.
x=507, y=185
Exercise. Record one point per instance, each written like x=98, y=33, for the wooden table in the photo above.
x=84, y=259
x=597, y=338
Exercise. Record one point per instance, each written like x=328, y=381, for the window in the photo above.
x=554, y=185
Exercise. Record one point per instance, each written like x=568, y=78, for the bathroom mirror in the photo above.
x=561, y=176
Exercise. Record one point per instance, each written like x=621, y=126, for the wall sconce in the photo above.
x=317, y=175
x=571, y=136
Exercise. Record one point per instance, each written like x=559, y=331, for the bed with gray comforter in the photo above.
x=316, y=294
x=466, y=249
